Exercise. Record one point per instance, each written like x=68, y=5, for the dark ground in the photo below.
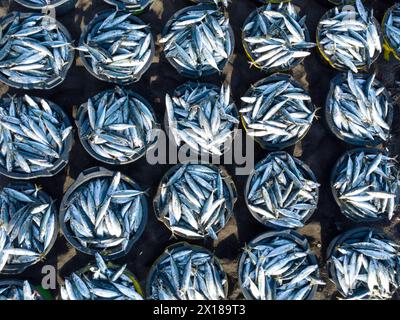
x=320, y=149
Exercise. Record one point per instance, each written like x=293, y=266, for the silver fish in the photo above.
x=350, y=39
x=187, y=273
x=117, y=46
x=202, y=116
x=276, y=267
x=40, y=4
x=281, y=191
x=105, y=213
x=366, y=185
x=359, y=108
x=33, y=134
x=277, y=111
x=38, y=51
x=135, y=6
x=276, y=37
x=195, y=200
x=100, y=282
x=198, y=41
x=391, y=27
x=28, y=225
x=364, y=265
x=118, y=125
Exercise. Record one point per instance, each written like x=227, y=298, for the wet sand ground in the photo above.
x=320, y=149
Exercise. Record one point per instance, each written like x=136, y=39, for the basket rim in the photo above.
x=301, y=166
x=61, y=162
x=85, y=61
x=300, y=239
x=57, y=80
x=199, y=73
x=83, y=178
x=279, y=76
x=81, y=113
x=227, y=180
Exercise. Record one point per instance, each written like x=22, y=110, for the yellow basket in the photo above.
x=325, y=56
x=387, y=49
x=246, y=48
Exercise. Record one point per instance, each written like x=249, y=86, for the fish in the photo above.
x=366, y=185
x=34, y=134
x=276, y=37
x=18, y=290
x=37, y=51
x=28, y=225
x=104, y=214
x=40, y=4
x=350, y=39
x=277, y=111
x=359, y=109
x=391, y=27
x=187, y=273
x=131, y=5
x=204, y=115
x=281, y=192
x=364, y=265
x=100, y=282
x=118, y=125
x=277, y=267
x=195, y=200
x=117, y=46
x=198, y=41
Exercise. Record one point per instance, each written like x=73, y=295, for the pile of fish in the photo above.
x=104, y=214
x=198, y=41
x=359, y=109
x=117, y=125
x=18, y=291
x=33, y=135
x=365, y=265
x=117, y=46
x=276, y=37
x=27, y=225
x=41, y=4
x=391, y=27
x=187, y=274
x=277, y=111
x=281, y=192
x=278, y=268
x=366, y=185
x=203, y=117
x=34, y=51
x=195, y=200
x=350, y=39
x=130, y=5
x=100, y=282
